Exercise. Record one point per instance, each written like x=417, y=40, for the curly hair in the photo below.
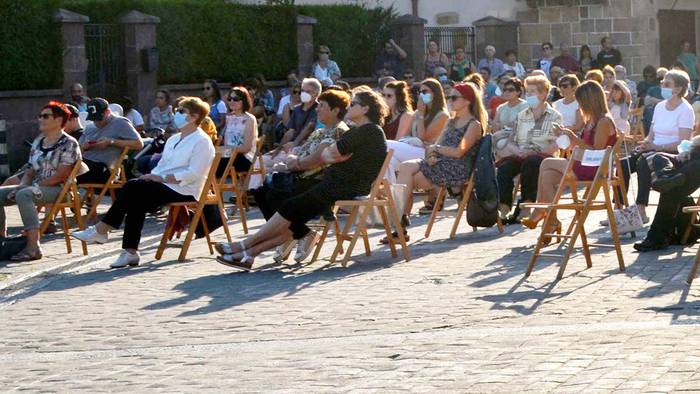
x=378, y=110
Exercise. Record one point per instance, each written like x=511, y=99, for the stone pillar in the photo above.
x=305, y=44
x=75, y=62
x=139, y=33
x=409, y=32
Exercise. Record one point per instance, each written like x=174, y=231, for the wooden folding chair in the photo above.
x=693, y=210
x=461, y=208
x=324, y=225
x=68, y=197
x=230, y=181
x=581, y=207
x=117, y=179
x=636, y=116
x=211, y=195
x=693, y=221
x=379, y=198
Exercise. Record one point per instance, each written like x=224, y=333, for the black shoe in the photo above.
x=648, y=246
x=668, y=183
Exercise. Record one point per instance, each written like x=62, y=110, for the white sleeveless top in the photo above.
x=234, y=134
x=567, y=111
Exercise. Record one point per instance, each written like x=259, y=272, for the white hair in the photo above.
x=680, y=79
x=313, y=82
x=491, y=47
x=620, y=68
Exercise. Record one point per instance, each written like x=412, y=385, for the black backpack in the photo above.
x=482, y=210
x=11, y=246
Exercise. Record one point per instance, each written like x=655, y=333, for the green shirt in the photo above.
x=690, y=61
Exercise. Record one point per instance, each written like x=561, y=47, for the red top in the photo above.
x=586, y=173
x=392, y=128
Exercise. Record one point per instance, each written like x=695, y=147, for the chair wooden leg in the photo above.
x=66, y=231
x=241, y=211
x=440, y=200
x=190, y=233
x=360, y=226
x=222, y=212
x=387, y=228
x=399, y=228
x=461, y=208
x=336, y=229
x=78, y=215
x=686, y=233
x=168, y=233
x=613, y=230
x=343, y=236
x=206, y=234
x=365, y=239
x=321, y=240
x=694, y=268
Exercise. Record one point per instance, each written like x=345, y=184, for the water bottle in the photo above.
x=685, y=146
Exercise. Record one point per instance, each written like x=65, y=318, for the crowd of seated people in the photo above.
x=331, y=141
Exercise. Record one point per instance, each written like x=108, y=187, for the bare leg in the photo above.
x=275, y=228
x=410, y=175
x=263, y=246
x=551, y=173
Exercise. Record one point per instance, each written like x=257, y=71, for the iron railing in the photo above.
x=105, y=54
x=449, y=38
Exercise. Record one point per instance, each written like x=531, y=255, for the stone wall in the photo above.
x=630, y=23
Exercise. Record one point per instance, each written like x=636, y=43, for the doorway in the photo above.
x=674, y=26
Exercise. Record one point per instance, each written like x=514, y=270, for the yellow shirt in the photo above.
x=209, y=128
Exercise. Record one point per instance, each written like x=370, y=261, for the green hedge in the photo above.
x=197, y=39
x=354, y=34
x=30, y=45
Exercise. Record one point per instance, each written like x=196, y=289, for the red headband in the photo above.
x=466, y=91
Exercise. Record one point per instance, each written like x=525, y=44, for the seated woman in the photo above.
x=599, y=132
x=240, y=131
x=427, y=124
x=619, y=102
x=450, y=161
x=672, y=123
x=398, y=98
x=531, y=142
x=507, y=113
x=307, y=167
x=355, y=161
x=51, y=160
x=179, y=176
x=567, y=106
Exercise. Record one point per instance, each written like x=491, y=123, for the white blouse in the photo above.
x=188, y=159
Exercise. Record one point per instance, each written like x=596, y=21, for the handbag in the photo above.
x=628, y=219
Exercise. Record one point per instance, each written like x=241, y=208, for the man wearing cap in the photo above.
x=103, y=141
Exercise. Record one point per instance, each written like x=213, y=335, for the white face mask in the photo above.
x=532, y=101
x=305, y=97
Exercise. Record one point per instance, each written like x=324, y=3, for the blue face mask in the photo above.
x=443, y=78
x=532, y=101
x=426, y=98
x=180, y=120
x=666, y=93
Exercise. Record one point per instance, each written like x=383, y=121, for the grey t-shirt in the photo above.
x=118, y=128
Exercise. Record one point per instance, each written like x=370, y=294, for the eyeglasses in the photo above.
x=454, y=98
x=234, y=98
x=387, y=95
x=44, y=116
x=513, y=90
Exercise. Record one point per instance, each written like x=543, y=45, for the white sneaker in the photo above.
x=283, y=251
x=90, y=235
x=306, y=245
x=126, y=258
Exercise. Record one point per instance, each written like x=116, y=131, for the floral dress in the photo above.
x=448, y=171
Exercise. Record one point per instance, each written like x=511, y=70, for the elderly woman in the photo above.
x=355, y=161
x=427, y=124
x=531, y=142
x=599, y=133
x=672, y=123
x=178, y=177
x=307, y=169
x=51, y=160
x=494, y=64
x=240, y=131
x=398, y=98
x=450, y=161
x=325, y=69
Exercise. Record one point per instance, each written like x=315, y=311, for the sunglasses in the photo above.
x=181, y=111
x=44, y=116
x=296, y=91
x=454, y=98
x=234, y=99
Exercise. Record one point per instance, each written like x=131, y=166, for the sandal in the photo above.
x=25, y=256
x=427, y=209
x=226, y=248
x=395, y=236
x=245, y=264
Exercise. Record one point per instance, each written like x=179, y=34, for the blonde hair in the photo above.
x=542, y=83
x=196, y=107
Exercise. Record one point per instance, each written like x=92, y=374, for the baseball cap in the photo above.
x=96, y=109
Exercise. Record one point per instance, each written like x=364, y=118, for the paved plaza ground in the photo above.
x=458, y=317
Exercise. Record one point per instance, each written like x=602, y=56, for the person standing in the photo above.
x=494, y=64
x=609, y=55
x=390, y=60
x=545, y=63
x=690, y=61
x=568, y=63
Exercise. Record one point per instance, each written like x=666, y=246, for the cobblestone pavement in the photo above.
x=459, y=317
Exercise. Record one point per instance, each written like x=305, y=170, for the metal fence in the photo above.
x=449, y=38
x=105, y=54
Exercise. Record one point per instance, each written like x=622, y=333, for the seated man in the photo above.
x=78, y=98
x=303, y=119
x=355, y=161
x=103, y=141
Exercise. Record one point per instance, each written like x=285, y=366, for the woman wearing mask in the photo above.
x=598, y=134
x=178, y=177
x=428, y=122
x=450, y=161
x=398, y=99
x=240, y=131
x=672, y=123
x=212, y=95
x=531, y=142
